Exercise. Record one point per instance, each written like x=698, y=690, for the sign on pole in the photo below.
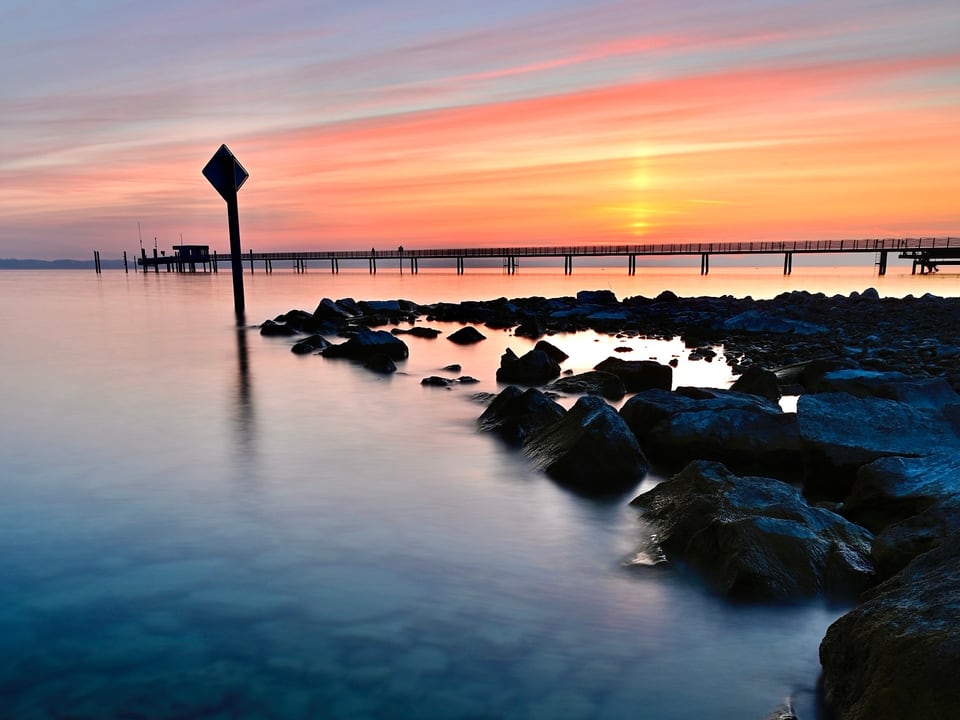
x=227, y=175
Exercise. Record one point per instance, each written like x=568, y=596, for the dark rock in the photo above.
x=552, y=351
x=467, y=380
x=913, y=504
x=437, y=381
x=747, y=432
x=313, y=343
x=758, y=321
x=530, y=328
x=455, y=367
x=466, y=336
x=839, y=433
x=417, y=331
x=327, y=309
x=271, y=328
x=920, y=392
x=516, y=414
x=597, y=297
x=755, y=537
x=638, y=375
x=758, y=381
x=533, y=368
x=596, y=382
x=380, y=363
x=368, y=342
x=590, y=449
x=896, y=655
x=623, y=349
x=893, y=489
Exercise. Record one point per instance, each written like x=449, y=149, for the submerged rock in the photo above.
x=756, y=537
x=515, y=414
x=590, y=449
x=896, y=655
x=380, y=363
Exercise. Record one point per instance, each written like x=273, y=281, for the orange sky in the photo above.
x=737, y=130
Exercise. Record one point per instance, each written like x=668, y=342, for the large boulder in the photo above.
x=516, y=414
x=533, y=368
x=919, y=392
x=759, y=321
x=368, y=342
x=896, y=655
x=912, y=504
x=747, y=432
x=758, y=381
x=639, y=375
x=590, y=449
x=839, y=433
x=755, y=537
x=552, y=351
x=599, y=383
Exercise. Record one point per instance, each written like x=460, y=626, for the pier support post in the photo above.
x=156, y=261
x=631, y=264
x=568, y=264
x=882, y=263
x=251, y=261
x=787, y=263
x=704, y=263
x=125, y=268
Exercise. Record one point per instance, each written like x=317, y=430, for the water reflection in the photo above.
x=243, y=419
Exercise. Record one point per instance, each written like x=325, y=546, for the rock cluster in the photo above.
x=875, y=438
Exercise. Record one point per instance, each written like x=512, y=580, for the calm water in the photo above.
x=197, y=523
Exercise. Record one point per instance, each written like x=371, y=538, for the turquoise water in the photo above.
x=197, y=523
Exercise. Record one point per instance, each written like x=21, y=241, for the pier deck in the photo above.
x=927, y=253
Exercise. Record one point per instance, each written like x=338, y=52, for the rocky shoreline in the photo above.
x=855, y=495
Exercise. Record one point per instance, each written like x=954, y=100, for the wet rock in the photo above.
x=756, y=380
x=417, y=331
x=590, y=449
x=533, y=368
x=466, y=336
x=755, y=537
x=896, y=655
x=455, y=367
x=758, y=321
x=747, y=432
x=920, y=392
x=338, y=311
x=638, y=375
x=597, y=297
x=271, y=328
x=437, y=381
x=552, y=351
x=839, y=433
x=313, y=343
x=467, y=380
x=368, y=342
x=515, y=414
x=604, y=384
x=530, y=328
x=912, y=504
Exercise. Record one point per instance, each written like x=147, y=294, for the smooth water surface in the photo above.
x=196, y=523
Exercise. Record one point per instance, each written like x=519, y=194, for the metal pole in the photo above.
x=236, y=260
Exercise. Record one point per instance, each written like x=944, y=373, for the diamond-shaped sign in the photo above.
x=225, y=173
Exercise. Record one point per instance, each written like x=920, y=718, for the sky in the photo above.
x=442, y=123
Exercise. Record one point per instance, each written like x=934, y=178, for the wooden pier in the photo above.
x=926, y=253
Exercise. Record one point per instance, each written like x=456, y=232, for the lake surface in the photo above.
x=196, y=523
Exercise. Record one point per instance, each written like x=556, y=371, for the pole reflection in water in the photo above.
x=243, y=412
